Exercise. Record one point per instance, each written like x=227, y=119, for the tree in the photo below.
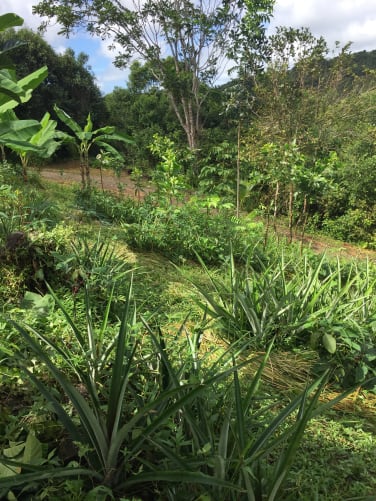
x=298, y=86
x=142, y=110
x=70, y=82
x=185, y=42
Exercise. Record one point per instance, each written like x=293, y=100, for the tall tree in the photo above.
x=140, y=111
x=185, y=42
x=298, y=86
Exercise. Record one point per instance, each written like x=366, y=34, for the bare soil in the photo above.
x=69, y=173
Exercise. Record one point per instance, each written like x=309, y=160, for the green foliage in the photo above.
x=301, y=302
x=70, y=83
x=218, y=172
x=177, y=232
x=197, y=36
x=13, y=91
x=143, y=418
x=141, y=112
x=84, y=139
x=168, y=177
x=96, y=265
x=201, y=421
x=42, y=143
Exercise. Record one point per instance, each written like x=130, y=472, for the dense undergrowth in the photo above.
x=165, y=352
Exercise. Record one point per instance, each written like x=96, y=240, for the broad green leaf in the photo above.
x=18, y=130
x=110, y=149
x=27, y=84
x=33, y=450
x=329, y=343
x=14, y=450
x=360, y=373
x=42, y=305
x=8, y=471
x=10, y=20
x=31, y=81
x=68, y=120
x=9, y=87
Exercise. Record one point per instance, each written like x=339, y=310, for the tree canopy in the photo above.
x=70, y=82
x=185, y=42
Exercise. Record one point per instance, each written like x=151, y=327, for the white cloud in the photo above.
x=335, y=20
x=24, y=9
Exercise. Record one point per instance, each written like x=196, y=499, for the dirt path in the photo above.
x=69, y=172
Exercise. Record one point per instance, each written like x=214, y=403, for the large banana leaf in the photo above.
x=17, y=131
x=10, y=20
x=42, y=140
x=68, y=120
x=13, y=92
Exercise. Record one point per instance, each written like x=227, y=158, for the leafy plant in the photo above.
x=183, y=422
x=42, y=143
x=108, y=430
x=168, y=176
x=302, y=303
x=84, y=138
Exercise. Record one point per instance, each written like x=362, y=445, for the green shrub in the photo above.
x=356, y=225
x=183, y=232
x=302, y=303
x=150, y=418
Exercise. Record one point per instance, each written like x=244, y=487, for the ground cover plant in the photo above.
x=164, y=404
x=302, y=302
x=156, y=346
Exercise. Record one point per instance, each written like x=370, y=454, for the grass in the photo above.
x=336, y=460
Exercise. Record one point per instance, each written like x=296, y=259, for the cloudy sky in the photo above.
x=336, y=20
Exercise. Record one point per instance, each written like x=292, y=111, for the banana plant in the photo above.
x=9, y=21
x=42, y=142
x=84, y=138
x=14, y=92
x=16, y=132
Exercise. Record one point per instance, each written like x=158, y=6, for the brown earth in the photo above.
x=69, y=173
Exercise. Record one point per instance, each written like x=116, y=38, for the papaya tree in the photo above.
x=84, y=138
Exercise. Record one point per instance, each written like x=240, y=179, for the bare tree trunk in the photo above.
x=291, y=204
x=305, y=217
x=238, y=173
x=276, y=196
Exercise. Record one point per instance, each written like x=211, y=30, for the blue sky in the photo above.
x=336, y=20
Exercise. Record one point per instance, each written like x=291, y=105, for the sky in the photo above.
x=336, y=20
